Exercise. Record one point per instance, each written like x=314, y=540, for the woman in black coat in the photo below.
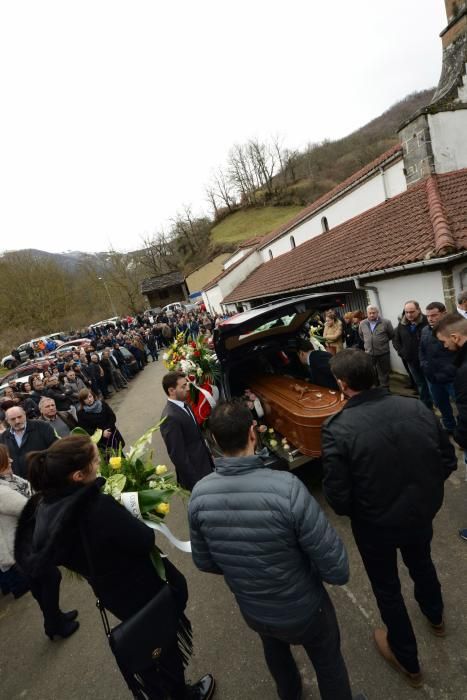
x=69, y=509
x=95, y=414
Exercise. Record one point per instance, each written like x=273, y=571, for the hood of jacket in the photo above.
x=44, y=526
x=420, y=320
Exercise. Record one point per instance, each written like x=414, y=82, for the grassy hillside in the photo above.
x=316, y=170
x=248, y=223
x=200, y=277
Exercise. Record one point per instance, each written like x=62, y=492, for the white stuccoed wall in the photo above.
x=236, y=257
x=423, y=286
x=215, y=295
x=212, y=299
x=449, y=140
x=368, y=195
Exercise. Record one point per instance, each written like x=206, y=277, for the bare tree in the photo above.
x=211, y=196
x=159, y=254
x=263, y=163
x=223, y=188
x=241, y=173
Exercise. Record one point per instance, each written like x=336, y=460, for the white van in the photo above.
x=177, y=307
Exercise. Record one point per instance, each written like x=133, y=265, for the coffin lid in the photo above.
x=297, y=397
x=259, y=323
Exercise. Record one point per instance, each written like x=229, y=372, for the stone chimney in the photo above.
x=434, y=139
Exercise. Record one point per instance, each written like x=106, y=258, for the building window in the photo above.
x=324, y=224
x=270, y=254
x=292, y=242
x=163, y=294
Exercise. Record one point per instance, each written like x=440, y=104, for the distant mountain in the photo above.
x=70, y=260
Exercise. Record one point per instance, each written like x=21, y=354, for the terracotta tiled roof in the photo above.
x=424, y=222
x=332, y=194
x=250, y=242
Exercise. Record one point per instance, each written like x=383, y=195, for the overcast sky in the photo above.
x=114, y=114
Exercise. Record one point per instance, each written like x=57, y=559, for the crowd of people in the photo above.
x=385, y=461
x=430, y=366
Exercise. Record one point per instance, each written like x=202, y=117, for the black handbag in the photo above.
x=140, y=640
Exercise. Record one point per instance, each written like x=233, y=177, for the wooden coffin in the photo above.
x=296, y=409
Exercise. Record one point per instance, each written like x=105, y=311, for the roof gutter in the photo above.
x=432, y=262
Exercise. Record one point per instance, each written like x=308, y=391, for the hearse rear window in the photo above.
x=282, y=322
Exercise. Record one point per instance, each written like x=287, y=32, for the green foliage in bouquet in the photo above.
x=135, y=472
x=195, y=358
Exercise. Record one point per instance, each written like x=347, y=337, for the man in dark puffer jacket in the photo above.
x=437, y=364
x=270, y=539
x=385, y=460
x=451, y=330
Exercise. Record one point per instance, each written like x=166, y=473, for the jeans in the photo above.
x=442, y=395
x=321, y=641
x=378, y=549
x=422, y=386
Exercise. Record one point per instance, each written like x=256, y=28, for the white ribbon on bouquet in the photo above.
x=129, y=499
x=209, y=398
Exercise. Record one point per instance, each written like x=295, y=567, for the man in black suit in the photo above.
x=182, y=436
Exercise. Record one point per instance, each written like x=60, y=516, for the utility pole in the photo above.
x=112, y=307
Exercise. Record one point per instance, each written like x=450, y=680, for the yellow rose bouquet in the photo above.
x=143, y=488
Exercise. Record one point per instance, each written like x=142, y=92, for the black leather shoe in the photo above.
x=203, y=689
x=69, y=616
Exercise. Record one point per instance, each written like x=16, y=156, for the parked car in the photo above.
x=69, y=345
x=178, y=307
x=257, y=351
x=107, y=322
x=26, y=369
x=9, y=361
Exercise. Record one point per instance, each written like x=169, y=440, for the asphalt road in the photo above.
x=81, y=667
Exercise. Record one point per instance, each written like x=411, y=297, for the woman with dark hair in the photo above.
x=70, y=522
x=95, y=414
x=45, y=587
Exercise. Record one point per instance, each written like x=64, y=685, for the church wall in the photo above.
x=449, y=140
x=231, y=280
x=360, y=199
x=236, y=257
x=422, y=286
x=212, y=299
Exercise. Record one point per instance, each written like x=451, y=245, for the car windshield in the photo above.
x=281, y=322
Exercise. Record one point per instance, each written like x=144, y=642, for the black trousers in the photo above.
x=321, y=641
x=378, y=549
x=46, y=590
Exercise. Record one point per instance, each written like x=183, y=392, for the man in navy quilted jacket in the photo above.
x=263, y=531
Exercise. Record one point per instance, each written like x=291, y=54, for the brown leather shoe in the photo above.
x=438, y=630
x=382, y=644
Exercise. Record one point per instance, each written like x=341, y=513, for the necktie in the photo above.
x=189, y=411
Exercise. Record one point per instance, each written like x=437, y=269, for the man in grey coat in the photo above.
x=263, y=531
x=376, y=332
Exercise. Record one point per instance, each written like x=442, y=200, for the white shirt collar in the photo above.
x=180, y=404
